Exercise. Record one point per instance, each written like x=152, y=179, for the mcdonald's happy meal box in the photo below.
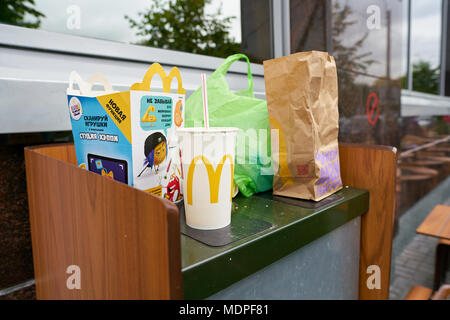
x=130, y=136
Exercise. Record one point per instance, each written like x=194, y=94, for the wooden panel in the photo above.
x=373, y=168
x=443, y=293
x=61, y=151
x=419, y=293
x=125, y=241
x=437, y=223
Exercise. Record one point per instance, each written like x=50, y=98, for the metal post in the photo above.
x=286, y=28
x=281, y=28
x=409, y=80
x=443, y=55
x=388, y=46
x=329, y=26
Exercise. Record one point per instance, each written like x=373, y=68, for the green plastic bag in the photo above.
x=253, y=167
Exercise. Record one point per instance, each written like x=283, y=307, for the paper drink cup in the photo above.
x=207, y=157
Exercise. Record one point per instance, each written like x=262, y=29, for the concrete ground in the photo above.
x=413, y=255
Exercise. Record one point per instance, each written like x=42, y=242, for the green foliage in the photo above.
x=183, y=25
x=14, y=12
x=425, y=78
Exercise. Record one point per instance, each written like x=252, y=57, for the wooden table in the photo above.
x=437, y=223
x=128, y=243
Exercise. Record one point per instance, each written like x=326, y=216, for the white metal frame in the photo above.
x=443, y=46
x=281, y=28
x=415, y=103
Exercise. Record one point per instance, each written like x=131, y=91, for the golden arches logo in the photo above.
x=285, y=173
x=156, y=68
x=213, y=177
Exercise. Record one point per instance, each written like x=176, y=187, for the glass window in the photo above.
x=363, y=35
x=308, y=25
x=209, y=27
x=426, y=45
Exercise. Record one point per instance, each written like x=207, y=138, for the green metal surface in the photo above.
x=207, y=270
x=241, y=227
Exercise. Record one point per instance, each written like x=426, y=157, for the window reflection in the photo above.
x=426, y=44
x=208, y=27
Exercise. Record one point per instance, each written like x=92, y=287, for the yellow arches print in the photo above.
x=213, y=177
x=156, y=68
x=284, y=171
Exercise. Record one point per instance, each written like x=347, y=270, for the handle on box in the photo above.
x=97, y=77
x=75, y=78
x=86, y=86
x=156, y=68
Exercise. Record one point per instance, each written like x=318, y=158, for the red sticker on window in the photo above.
x=372, y=107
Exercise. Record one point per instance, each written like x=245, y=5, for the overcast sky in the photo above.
x=104, y=19
x=426, y=31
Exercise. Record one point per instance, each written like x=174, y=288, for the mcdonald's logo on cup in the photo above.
x=207, y=157
x=213, y=177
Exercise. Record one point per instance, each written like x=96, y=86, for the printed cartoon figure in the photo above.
x=171, y=184
x=148, y=117
x=155, y=151
x=108, y=175
x=173, y=188
x=178, y=115
x=104, y=172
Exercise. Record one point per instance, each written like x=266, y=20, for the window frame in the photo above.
x=50, y=116
x=412, y=101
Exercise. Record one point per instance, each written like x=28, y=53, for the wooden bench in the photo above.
x=440, y=149
x=437, y=224
x=78, y=217
x=419, y=293
x=442, y=293
x=423, y=293
x=441, y=262
x=413, y=182
x=418, y=172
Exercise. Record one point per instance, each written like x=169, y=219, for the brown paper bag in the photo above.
x=302, y=100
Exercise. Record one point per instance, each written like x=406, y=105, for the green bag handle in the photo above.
x=223, y=69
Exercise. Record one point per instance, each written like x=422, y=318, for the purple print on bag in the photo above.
x=330, y=175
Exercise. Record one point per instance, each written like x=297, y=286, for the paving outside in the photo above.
x=415, y=266
x=413, y=256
